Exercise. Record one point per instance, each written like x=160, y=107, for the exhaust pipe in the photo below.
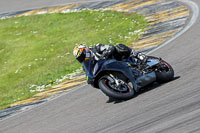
x=146, y=79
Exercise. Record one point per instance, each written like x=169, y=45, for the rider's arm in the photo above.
x=101, y=51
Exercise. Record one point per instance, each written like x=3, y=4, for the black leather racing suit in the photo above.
x=121, y=51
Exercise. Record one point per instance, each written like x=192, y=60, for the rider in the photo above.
x=101, y=51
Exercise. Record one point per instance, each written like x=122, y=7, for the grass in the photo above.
x=36, y=50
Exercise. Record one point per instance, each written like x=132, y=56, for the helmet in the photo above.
x=80, y=52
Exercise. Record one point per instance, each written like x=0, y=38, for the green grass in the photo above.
x=36, y=49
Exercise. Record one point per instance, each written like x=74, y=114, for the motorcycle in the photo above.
x=122, y=79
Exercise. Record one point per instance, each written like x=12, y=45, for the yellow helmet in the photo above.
x=80, y=51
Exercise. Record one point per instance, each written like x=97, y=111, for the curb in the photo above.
x=166, y=19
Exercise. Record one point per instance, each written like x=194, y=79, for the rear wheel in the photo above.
x=165, y=72
x=120, y=90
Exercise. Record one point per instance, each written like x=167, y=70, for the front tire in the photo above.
x=109, y=90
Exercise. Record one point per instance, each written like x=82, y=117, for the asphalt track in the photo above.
x=173, y=107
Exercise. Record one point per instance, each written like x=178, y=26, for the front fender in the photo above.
x=116, y=66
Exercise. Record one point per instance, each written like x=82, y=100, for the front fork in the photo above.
x=116, y=81
x=118, y=84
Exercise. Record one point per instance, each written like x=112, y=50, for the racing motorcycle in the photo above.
x=122, y=79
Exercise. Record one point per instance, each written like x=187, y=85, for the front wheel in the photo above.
x=165, y=72
x=121, y=90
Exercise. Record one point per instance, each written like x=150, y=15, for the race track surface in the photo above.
x=19, y=5
x=172, y=107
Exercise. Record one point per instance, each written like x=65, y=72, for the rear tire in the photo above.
x=109, y=91
x=165, y=75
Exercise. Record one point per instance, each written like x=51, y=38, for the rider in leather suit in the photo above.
x=119, y=52
x=101, y=51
